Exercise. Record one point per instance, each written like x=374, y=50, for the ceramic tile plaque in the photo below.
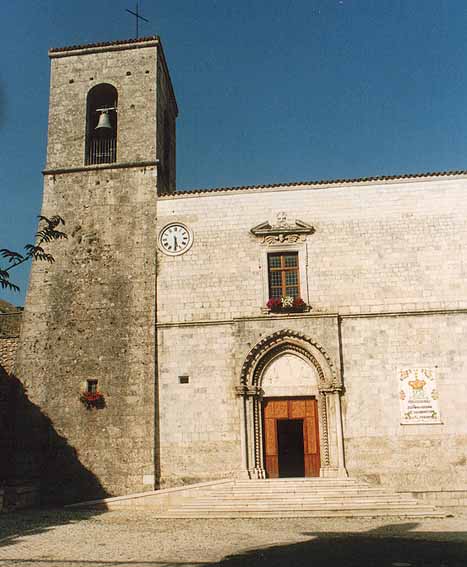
x=418, y=396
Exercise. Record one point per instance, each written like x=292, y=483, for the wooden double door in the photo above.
x=291, y=437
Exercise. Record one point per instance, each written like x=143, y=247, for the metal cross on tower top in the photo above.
x=137, y=18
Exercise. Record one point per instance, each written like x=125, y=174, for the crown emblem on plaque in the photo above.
x=417, y=384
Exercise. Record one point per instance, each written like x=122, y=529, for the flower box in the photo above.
x=287, y=304
x=93, y=400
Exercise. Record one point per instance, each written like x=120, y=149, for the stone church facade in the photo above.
x=160, y=300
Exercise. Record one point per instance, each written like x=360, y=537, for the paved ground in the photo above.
x=138, y=539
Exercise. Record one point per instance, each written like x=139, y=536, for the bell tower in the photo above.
x=112, y=103
x=89, y=319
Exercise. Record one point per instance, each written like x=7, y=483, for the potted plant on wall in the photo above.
x=92, y=399
x=287, y=304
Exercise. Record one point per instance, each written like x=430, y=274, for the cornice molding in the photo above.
x=101, y=167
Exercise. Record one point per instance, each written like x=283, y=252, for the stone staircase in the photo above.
x=295, y=497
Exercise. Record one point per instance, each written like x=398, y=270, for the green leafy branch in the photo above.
x=48, y=232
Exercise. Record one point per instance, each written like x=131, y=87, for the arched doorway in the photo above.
x=290, y=392
x=290, y=417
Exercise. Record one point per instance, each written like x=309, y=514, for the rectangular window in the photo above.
x=283, y=275
x=91, y=386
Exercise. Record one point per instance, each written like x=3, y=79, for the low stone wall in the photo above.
x=12, y=495
x=7, y=408
x=8, y=347
x=18, y=497
x=156, y=499
x=10, y=324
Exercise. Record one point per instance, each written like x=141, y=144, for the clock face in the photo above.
x=175, y=238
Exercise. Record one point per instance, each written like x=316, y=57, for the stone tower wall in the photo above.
x=91, y=314
x=167, y=112
x=132, y=72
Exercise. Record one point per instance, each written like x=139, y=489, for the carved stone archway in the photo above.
x=283, y=342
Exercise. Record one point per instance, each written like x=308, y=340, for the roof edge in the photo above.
x=105, y=45
x=323, y=182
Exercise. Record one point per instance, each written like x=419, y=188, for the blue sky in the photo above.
x=268, y=90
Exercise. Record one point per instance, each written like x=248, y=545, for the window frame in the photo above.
x=92, y=386
x=283, y=269
x=302, y=249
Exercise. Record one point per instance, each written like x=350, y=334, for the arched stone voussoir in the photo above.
x=287, y=340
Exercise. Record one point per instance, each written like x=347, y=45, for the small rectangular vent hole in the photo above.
x=184, y=379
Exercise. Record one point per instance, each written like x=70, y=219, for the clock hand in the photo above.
x=175, y=243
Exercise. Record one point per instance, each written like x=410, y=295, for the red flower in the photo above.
x=92, y=396
x=92, y=399
x=274, y=303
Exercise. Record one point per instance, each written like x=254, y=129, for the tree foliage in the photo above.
x=48, y=232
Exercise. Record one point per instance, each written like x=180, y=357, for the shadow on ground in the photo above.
x=38, y=467
x=392, y=545
x=15, y=525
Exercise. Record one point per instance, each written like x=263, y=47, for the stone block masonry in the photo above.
x=407, y=457
x=91, y=315
x=394, y=246
x=387, y=258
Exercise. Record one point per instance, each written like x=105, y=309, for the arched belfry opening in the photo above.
x=101, y=125
x=290, y=391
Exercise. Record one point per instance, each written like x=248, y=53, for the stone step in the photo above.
x=258, y=507
x=298, y=482
x=292, y=490
x=297, y=479
x=275, y=498
x=304, y=506
x=293, y=501
x=298, y=502
x=294, y=505
x=415, y=512
x=375, y=493
x=297, y=498
x=295, y=488
x=305, y=492
x=278, y=483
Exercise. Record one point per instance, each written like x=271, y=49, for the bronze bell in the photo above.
x=104, y=120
